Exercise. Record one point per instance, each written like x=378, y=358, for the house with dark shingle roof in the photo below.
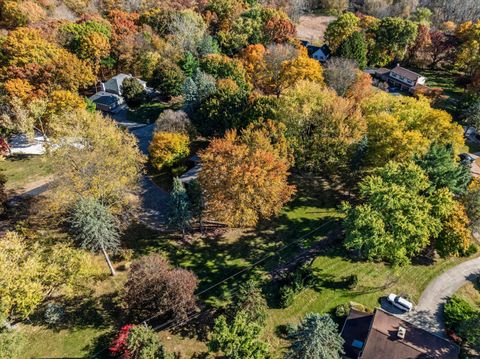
x=381, y=335
x=401, y=77
x=320, y=53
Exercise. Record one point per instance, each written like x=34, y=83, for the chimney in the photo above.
x=401, y=332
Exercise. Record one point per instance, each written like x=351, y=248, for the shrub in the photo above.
x=351, y=281
x=342, y=310
x=287, y=296
x=154, y=288
x=174, y=121
x=168, y=148
x=54, y=313
x=456, y=312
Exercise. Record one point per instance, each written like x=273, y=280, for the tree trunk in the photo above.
x=107, y=258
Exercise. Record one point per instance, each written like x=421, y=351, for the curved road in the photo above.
x=428, y=314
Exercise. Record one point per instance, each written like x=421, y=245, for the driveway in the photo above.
x=428, y=313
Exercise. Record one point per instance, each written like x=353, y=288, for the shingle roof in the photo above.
x=410, y=75
x=383, y=341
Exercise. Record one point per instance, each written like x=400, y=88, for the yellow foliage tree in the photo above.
x=456, y=236
x=94, y=158
x=167, y=148
x=400, y=127
x=31, y=271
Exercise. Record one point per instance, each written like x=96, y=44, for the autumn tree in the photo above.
x=441, y=48
x=32, y=271
x=43, y=64
x=396, y=219
x=279, y=29
x=400, y=127
x=456, y=236
x=323, y=127
x=155, y=288
x=124, y=33
x=95, y=228
x=340, y=74
x=167, y=148
x=317, y=336
x=393, y=36
x=174, y=121
x=100, y=161
x=236, y=166
x=168, y=78
x=89, y=40
x=340, y=30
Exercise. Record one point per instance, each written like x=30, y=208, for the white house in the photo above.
x=401, y=77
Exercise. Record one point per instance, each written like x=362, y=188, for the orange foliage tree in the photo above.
x=244, y=182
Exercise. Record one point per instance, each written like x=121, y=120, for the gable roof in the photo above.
x=383, y=341
x=410, y=75
x=114, y=85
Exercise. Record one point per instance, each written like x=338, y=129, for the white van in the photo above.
x=400, y=303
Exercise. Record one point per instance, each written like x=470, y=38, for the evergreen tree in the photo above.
x=143, y=343
x=443, y=170
x=355, y=48
x=189, y=64
x=179, y=211
x=95, y=227
x=197, y=202
x=317, y=337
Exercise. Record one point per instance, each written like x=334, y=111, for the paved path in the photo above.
x=428, y=313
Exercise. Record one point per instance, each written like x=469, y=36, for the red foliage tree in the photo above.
x=279, y=29
x=119, y=344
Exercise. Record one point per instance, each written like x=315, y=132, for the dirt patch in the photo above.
x=312, y=28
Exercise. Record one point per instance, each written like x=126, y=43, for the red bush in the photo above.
x=119, y=344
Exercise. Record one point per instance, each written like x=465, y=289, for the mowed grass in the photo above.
x=375, y=280
x=21, y=170
x=471, y=293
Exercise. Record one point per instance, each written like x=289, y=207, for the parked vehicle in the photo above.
x=466, y=158
x=399, y=302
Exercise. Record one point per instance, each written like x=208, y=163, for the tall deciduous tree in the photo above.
x=355, y=48
x=323, y=127
x=95, y=228
x=238, y=339
x=31, y=272
x=243, y=184
x=133, y=92
x=167, y=148
x=317, y=337
x=396, y=220
x=94, y=158
x=340, y=29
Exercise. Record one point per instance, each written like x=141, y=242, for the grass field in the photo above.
x=471, y=293
x=21, y=170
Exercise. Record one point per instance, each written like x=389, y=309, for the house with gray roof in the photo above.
x=401, y=77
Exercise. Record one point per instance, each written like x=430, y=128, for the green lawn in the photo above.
x=21, y=170
x=445, y=80
x=148, y=112
x=471, y=293
x=219, y=256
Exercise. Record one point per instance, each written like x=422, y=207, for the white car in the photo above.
x=400, y=303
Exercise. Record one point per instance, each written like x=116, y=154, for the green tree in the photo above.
x=133, y=92
x=143, y=343
x=95, y=228
x=179, y=207
x=189, y=64
x=250, y=301
x=422, y=15
x=238, y=338
x=355, y=48
x=393, y=36
x=443, y=170
x=197, y=201
x=317, y=337
x=168, y=78
x=340, y=29
x=396, y=220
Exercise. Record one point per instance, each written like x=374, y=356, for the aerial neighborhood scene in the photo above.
x=237, y=179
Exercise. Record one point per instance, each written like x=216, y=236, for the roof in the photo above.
x=313, y=49
x=410, y=75
x=383, y=341
x=382, y=71
x=114, y=85
x=355, y=330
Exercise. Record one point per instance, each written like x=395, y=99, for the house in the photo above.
x=114, y=85
x=320, y=53
x=106, y=101
x=401, y=77
x=381, y=335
